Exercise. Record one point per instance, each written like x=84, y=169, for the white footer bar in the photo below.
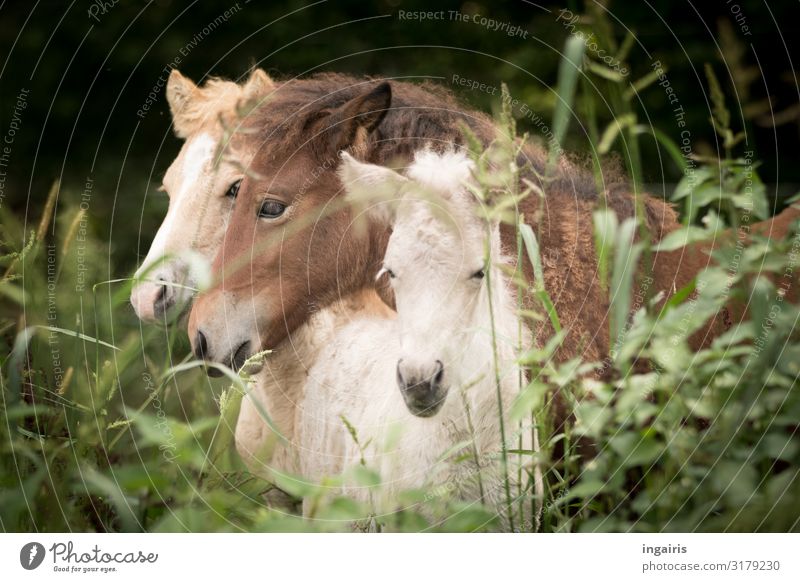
x=406, y=557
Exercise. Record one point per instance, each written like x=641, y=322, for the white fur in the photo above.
x=342, y=361
x=442, y=314
x=194, y=224
x=278, y=389
x=193, y=185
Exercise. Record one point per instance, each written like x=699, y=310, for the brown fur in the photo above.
x=312, y=255
x=776, y=228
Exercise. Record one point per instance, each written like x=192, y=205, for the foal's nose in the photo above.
x=422, y=390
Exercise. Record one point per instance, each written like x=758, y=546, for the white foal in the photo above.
x=422, y=390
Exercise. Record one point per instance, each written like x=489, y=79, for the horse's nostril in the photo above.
x=438, y=373
x=240, y=356
x=201, y=346
x=400, y=380
x=163, y=301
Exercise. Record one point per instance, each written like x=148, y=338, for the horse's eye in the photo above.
x=271, y=209
x=389, y=272
x=233, y=190
x=479, y=274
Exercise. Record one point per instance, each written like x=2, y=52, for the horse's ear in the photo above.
x=370, y=186
x=180, y=91
x=349, y=125
x=258, y=83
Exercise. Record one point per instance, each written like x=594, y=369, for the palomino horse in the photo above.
x=453, y=300
x=202, y=184
x=201, y=187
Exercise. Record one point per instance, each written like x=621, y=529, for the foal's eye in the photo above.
x=233, y=189
x=271, y=209
x=389, y=272
x=480, y=274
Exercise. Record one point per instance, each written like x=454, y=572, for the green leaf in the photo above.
x=591, y=418
x=626, y=261
x=586, y=488
x=569, y=68
x=735, y=481
x=78, y=335
x=605, y=228
x=532, y=248
x=689, y=182
x=296, y=486
x=780, y=484
x=603, y=71
x=342, y=509
x=530, y=399
x=641, y=84
x=613, y=130
x=97, y=483
x=635, y=450
x=682, y=237
x=364, y=476
x=781, y=446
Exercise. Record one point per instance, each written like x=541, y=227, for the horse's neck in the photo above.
x=281, y=384
x=302, y=347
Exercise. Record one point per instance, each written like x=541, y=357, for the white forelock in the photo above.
x=444, y=172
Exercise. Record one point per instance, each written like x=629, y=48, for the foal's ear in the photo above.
x=349, y=125
x=370, y=186
x=180, y=90
x=257, y=84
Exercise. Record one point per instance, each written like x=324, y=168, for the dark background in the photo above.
x=87, y=79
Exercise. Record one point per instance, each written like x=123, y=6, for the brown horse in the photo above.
x=291, y=246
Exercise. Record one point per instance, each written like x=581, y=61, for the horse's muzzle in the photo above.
x=424, y=394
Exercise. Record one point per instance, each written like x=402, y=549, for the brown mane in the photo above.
x=421, y=114
x=290, y=272
x=428, y=115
